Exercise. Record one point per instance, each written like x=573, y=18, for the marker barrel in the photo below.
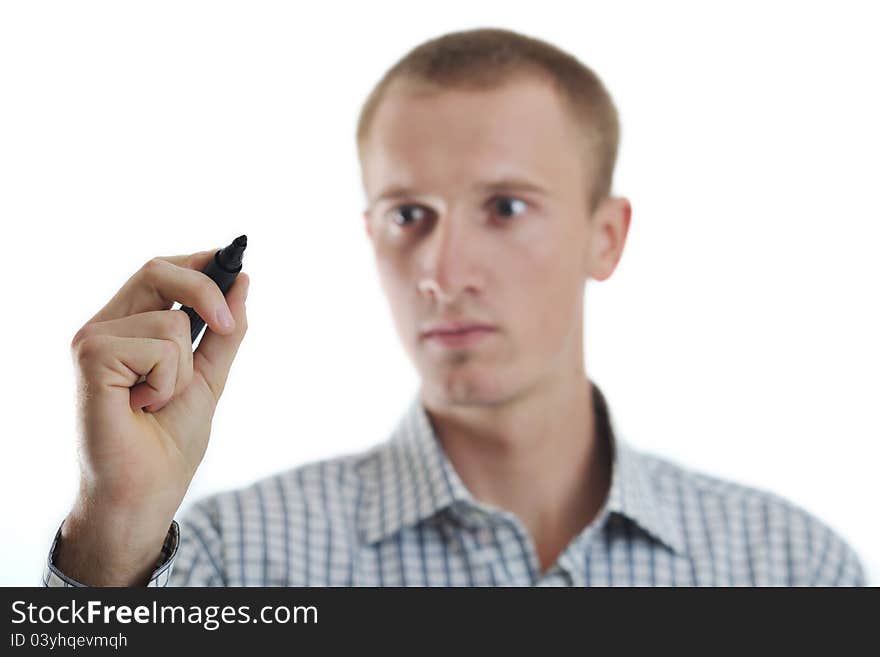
x=223, y=269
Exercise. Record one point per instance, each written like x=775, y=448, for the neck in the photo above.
x=537, y=456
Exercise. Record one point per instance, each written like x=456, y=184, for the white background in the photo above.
x=738, y=335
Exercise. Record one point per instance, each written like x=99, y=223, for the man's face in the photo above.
x=478, y=214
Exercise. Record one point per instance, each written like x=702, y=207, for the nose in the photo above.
x=447, y=260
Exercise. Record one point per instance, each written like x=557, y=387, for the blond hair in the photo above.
x=486, y=58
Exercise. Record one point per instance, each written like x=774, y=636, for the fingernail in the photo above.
x=224, y=318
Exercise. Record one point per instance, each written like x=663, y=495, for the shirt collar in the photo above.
x=408, y=478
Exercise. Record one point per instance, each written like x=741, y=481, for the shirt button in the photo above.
x=476, y=515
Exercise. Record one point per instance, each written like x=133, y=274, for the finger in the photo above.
x=109, y=361
x=121, y=301
x=158, y=388
x=213, y=359
x=159, y=283
x=160, y=324
x=197, y=260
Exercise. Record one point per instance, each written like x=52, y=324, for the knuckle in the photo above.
x=152, y=265
x=79, y=336
x=176, y=322
x=171, y=349
x=88, y=347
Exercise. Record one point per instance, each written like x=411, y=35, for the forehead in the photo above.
x=425, y=136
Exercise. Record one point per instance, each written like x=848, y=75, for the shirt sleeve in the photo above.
x=201, y=559
x=52, y=576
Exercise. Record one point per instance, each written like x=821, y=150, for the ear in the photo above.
x=610, y=226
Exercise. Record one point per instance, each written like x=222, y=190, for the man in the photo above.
x=487, y=161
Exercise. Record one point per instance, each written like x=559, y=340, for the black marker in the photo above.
x=223, y=270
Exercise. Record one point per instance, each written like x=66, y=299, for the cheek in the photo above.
x=541, y=282
x=399, y=290
x=390, y=264
x=538, y=263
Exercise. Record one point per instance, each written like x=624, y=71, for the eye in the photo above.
x=407, y=214
x=508, y=206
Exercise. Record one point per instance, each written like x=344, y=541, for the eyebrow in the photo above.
x=507, y=183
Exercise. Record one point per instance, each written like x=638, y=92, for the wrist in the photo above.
x=100, y=547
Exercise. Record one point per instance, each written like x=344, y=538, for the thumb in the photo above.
x=215, y=353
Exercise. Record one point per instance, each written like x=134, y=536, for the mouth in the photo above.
x=458, y=337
